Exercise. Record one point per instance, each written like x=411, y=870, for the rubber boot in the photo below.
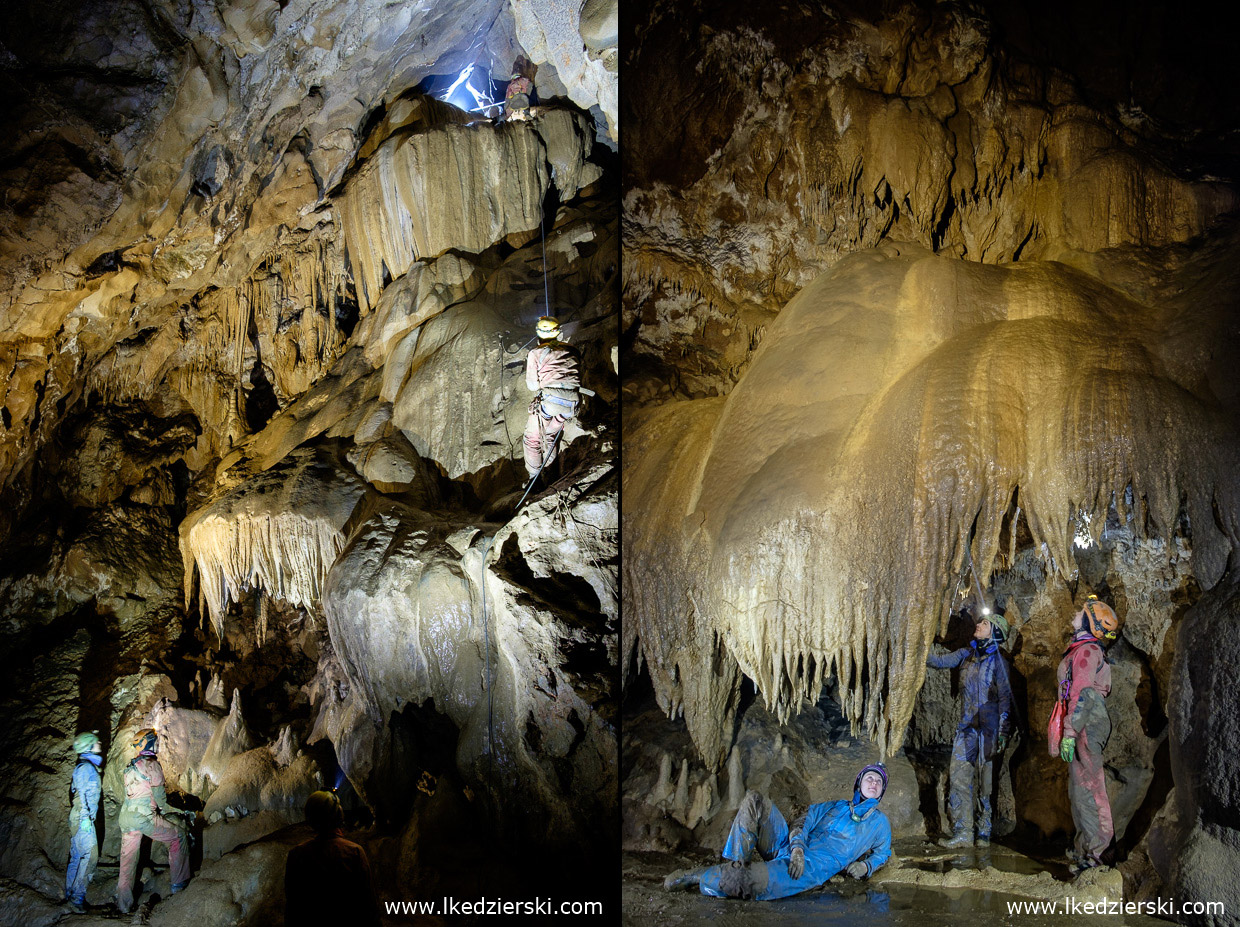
x=683, y=879
x=960, y=839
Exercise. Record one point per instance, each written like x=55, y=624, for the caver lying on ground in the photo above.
x=839, y=836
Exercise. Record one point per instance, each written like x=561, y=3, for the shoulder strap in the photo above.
x=1066, y=686
x=73, y=779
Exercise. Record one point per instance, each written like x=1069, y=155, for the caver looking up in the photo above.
x=146, y=813
x=833, y=837
x=985, y=724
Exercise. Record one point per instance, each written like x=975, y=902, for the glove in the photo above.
x=86, y=824
x=796, y=864
x=858, y=870
x=1067, y=749
x=1000, y=743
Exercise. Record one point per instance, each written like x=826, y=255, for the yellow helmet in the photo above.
x=146, y=740
x=1100, y=618
x=548, y=327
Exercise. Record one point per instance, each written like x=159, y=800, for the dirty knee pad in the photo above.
x=753, y=809
x=736, y=881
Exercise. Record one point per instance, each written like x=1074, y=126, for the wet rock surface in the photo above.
x=921, y=885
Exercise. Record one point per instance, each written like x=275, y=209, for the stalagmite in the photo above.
x=680, y=802
x=663, y=789
x=703, y=798
x=736, y=779
x=231, y=737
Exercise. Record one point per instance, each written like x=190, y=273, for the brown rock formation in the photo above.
x=262, y=293
x=909, y=289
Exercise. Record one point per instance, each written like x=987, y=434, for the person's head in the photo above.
x=994, y=625
x=323, y=812
x=548, y=328
x=146, y=741
x=871, y=781
x=87, y=742
x=1098, y=618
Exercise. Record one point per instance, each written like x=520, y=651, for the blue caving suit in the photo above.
x=833, y=835
x=83, y=846
x=987, y=690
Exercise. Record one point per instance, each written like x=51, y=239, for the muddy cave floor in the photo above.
x=468, y=872
x=923, y=885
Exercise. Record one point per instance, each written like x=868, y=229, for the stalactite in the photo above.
x=820, y=514
x=284, y=553
x=279, y=533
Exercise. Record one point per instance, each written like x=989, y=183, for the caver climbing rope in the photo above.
x=486, y=625
x=977, y=583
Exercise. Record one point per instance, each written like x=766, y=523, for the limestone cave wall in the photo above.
x=910, y=288
x=264, y=300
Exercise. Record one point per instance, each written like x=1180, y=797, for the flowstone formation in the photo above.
x=266, y=299
x=913, y=307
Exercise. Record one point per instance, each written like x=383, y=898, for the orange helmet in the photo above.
x=1100, y=619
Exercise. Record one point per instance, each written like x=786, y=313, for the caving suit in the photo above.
x=83, y=845
x=1086, y=677
x=833, y=835
x=987, y=691
x=552, y=371
x=519, y=94
x=327, y=881
x=146, y=812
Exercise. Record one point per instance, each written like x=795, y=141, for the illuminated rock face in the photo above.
x=265, y=302
x=908, y=295
x=898, y=404
x=186, y=176
x=798, y=142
